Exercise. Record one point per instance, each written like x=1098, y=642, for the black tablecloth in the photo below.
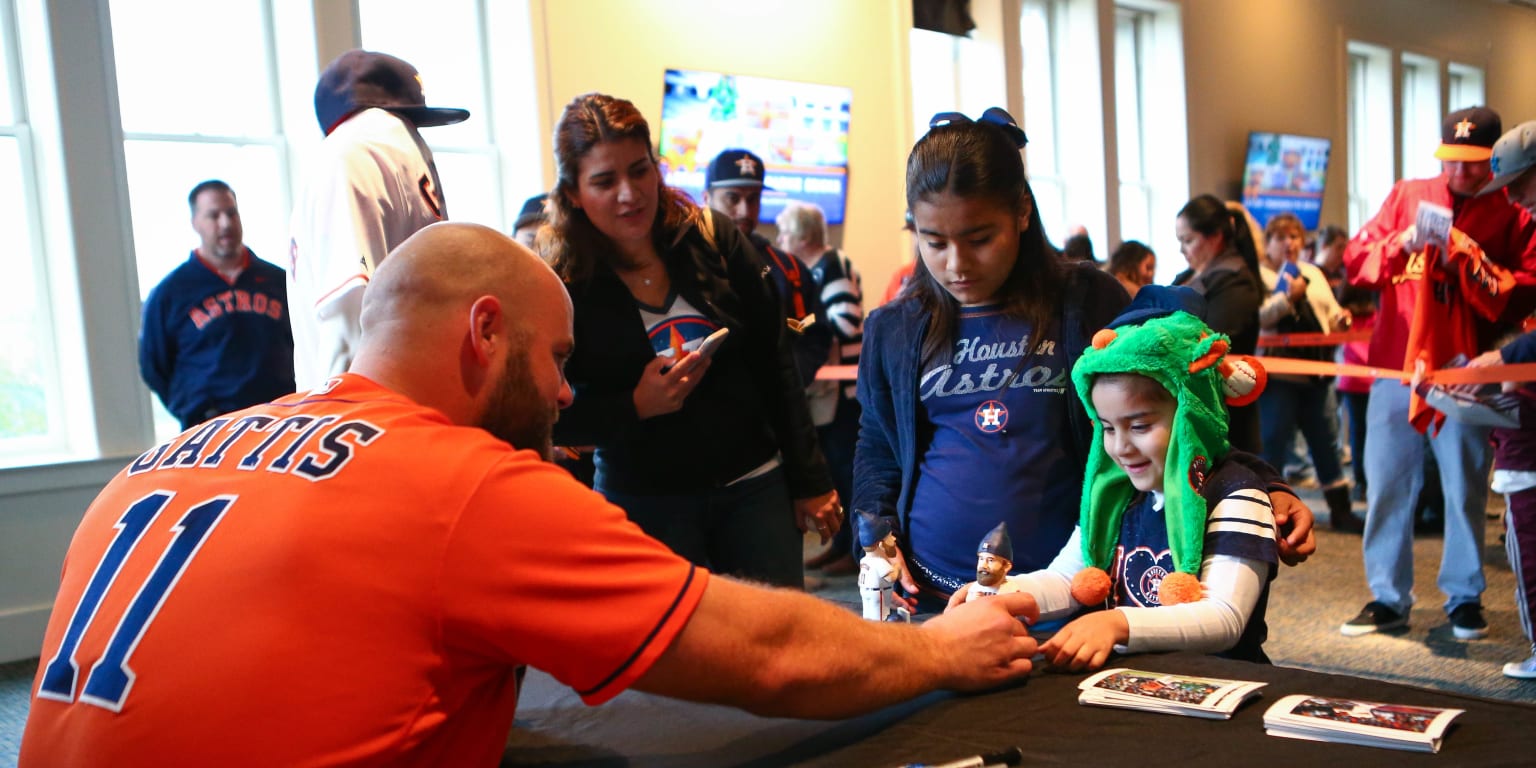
x=1041, y=716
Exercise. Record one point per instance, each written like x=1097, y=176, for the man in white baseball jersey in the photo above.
x=371, y=185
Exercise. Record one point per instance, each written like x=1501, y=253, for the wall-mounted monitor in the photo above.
x=799, y=129
x=1285, y=173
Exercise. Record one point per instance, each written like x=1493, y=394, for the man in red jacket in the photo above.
x=1438, y=300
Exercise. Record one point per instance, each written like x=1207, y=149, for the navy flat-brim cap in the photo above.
x=735, y=168
x=359, y=79
x=1158, y=301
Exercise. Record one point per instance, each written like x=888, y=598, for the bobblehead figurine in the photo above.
x=994, y=559
x=878, y=570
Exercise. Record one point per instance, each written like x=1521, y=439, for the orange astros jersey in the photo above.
x=339, y=576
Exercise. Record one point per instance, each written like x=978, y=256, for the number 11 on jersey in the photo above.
x=110, y=677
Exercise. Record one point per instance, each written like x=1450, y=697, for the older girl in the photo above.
x=969, y=416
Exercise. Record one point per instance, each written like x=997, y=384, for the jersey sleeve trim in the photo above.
x=670, y=622
x=357, y=279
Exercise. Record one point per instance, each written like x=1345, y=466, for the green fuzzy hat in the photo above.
x=1189, y=360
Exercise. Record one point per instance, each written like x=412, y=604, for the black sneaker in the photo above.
x=1374, y=617
x=1467, y=622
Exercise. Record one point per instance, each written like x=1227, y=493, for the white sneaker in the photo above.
x=1525, y=670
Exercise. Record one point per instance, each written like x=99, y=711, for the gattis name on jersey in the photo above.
x=312, y=448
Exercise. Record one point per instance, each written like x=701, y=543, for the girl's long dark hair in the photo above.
x=980, y=161
x=591, y=119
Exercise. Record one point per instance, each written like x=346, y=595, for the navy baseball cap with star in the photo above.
x=359, y=79
x=1468, y=135
x=735, y=168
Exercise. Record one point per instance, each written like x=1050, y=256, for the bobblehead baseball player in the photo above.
x=878, y=571
x=372, y=185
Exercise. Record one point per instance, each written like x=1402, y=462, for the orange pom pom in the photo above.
x=1090, y=586
x=1179, y=588
x=1103, y=337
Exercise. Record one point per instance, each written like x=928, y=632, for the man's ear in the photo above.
x=486, y=322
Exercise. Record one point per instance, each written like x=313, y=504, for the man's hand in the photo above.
x=1087, y=641
x=985, y=641
x=1490, y=358
x=663, y=386
x=822, y=514
x=1293, y=523
x=1407, y=242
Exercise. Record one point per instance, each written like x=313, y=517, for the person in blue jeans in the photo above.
x=969, y=414
x=1300, y=301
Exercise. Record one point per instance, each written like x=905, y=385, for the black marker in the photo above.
x=1009, y=756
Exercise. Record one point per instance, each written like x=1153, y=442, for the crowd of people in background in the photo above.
x=683, y=355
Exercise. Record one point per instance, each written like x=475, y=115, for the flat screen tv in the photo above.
x=1285, y=173
x=800, y=130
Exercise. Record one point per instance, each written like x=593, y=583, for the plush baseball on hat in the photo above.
x=1190, y=361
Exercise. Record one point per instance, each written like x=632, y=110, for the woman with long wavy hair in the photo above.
x=711, y=452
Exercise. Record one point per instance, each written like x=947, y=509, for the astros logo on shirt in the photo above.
x=1142, y=573
x=991, y=416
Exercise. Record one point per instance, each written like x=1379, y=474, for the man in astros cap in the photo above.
x=1438, y=301
x=371, y=185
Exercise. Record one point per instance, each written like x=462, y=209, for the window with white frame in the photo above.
x=1464, y=86
x=957, y=74
x=1151, y=154
x=1421, y=116
x=1036, y=23
x=31, y=405
x=1064, y=116
x=1370, y=130
x=204, y=108
x=935, y=74
x=1135, y=185
x=488, y=165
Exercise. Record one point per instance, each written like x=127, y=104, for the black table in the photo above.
x=1041, y=716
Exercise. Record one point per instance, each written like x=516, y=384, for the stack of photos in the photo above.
x=1367, y=723
x=1170, y=694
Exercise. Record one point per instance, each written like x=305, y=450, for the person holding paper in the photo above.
x=1300, y=301
x=1436, y=302
x=713, y=454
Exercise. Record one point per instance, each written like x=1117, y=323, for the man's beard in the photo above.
x=517, y=414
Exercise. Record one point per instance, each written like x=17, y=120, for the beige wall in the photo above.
x=622, y=47
x=1279, y=65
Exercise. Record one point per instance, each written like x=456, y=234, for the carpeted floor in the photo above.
x=1307, y=605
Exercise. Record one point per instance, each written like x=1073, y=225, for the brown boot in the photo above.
x=1341, y=515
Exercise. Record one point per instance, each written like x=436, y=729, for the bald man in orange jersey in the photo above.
x=354, y=574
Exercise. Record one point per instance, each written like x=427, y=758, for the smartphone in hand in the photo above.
x=713, y=342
